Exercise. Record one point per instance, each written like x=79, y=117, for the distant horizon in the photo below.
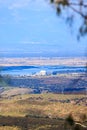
x=39, y=56
x=43, y=57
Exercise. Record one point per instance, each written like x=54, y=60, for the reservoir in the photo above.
x=35, y=70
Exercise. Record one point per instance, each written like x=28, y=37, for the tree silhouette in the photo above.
x=74, y=7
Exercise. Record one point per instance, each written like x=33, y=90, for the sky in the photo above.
x=31, y=28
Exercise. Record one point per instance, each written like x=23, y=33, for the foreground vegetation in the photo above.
x=41, y=111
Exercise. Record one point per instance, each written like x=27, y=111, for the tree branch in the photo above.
x=79, y=12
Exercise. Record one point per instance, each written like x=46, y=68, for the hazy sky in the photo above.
x=32, y=28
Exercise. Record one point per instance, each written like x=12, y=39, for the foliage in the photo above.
x=74, y=7
x=70, y=119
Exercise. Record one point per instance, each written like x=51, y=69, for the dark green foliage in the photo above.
x=63, y=2
x=74, y=7
x=0, y=78
x=83, y=28
x=58, y=10
x=70, y=120
x=51, y=1
x=2, y=81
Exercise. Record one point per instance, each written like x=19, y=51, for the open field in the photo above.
x=41, y=111
x=76, y=61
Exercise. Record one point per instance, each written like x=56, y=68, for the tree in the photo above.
x=74, y=6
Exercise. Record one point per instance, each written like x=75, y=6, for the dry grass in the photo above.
x=9, y=128
x=39, y=61
x=44, y=104
x=15, y=91
x=39, y=106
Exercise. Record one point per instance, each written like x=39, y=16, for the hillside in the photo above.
x=55, y=84
x=41, y=111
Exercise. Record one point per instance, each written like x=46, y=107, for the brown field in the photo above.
x=9, y=92
x=43, y=61
x=41, y=111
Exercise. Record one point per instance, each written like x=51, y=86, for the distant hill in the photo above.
x=54, y=84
